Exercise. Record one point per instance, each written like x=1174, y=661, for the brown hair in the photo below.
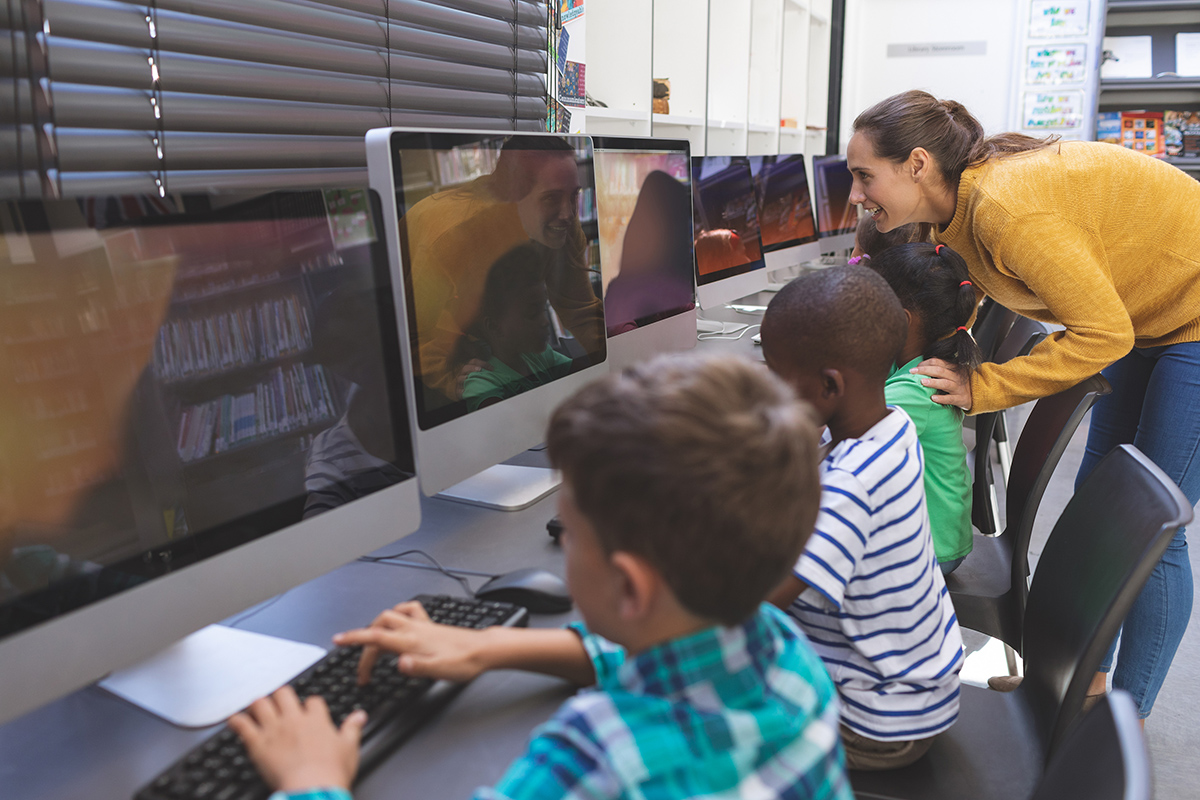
x=707, y=468
x=903, y=122
x=872, y=241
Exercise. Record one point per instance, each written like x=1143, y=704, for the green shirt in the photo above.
x=502, y=381
x=947, y=479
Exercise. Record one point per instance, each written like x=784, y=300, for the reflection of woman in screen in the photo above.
x=455, y=236
x=655, y=278
x=512, y=331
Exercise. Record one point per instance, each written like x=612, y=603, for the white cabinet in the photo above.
x=747, y=76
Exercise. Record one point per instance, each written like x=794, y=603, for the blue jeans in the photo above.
x=1154, y=405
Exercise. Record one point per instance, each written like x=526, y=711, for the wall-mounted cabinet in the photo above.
x=746, y=76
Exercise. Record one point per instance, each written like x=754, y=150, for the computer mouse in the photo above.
x=539, y=591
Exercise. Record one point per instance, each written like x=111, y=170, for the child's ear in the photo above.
x=640, y=585
x=833, y=384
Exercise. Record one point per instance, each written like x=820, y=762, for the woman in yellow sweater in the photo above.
x=1094, y=237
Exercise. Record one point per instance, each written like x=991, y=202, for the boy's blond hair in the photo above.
x=705, y=467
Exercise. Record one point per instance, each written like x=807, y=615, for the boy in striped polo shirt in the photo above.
x=697, y=688
x=867, y=589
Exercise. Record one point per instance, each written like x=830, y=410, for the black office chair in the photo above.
x=991, y=429
x=989, y=588
x=1103, y=758
x=1105, y=544
x=992, y=323
x=1023, y=336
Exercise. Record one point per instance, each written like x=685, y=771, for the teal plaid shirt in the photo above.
x=744, y=711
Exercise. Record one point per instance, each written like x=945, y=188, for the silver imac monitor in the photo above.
x=837, y=217
x=504, y=317
x=785, y=212
x=644, y=225
x=205, y=408
x=729, y=257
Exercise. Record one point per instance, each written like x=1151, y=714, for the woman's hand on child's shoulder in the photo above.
x=294, y=744
x=426, y=649
x=954, y=385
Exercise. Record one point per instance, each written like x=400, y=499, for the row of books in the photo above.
x=461, y=164
x=289, y=399
x=1157, y=133
x=251, y=334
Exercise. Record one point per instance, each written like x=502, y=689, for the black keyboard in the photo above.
x=396, y=706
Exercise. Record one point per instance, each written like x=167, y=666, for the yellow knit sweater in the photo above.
x=1097, y=238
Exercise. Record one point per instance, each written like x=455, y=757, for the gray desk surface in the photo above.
x=91, y=745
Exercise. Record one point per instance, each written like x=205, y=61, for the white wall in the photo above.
x=983, y=83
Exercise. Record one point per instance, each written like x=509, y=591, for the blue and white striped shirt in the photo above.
x=877, y=610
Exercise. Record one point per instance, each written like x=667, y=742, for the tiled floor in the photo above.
x=1173, y=729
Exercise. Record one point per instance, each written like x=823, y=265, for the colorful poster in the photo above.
x=1052, y=64
x=1052, y=111
x=564, y=39
x=570, y=9
x=571, y=85
x=1058, y=18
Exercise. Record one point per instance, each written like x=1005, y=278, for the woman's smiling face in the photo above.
x=886, y=190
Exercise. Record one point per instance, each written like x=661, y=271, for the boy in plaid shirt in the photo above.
x=688, y=486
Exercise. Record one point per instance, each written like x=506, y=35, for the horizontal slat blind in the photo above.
x=249, y=92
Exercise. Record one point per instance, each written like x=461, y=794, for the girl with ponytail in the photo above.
x=1091, y=236
x=938, y=299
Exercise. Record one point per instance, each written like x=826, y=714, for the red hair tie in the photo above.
x=964, y=283
x=938, y=250
x=962, y=328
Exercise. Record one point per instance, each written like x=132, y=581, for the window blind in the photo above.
x=117, y=97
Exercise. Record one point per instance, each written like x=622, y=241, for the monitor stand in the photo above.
x=506, y=487
x=206, y=677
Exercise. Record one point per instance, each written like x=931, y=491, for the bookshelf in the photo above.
x=747, y=76
x=1162, y=89
x=234, y=361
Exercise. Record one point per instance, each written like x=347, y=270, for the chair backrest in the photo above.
x=1022, y=335
x=992, y=324
x=1044, y=439
x=1102, y=549
x=1103, y=758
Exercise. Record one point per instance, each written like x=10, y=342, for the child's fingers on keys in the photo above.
x=315, y=704
x=264, y=711
x=366, y=663
x=413, y=609
x=246, y=728
x=352, y=726
x=286, y=700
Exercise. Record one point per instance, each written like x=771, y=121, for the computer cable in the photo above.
x=731, y=337
x=456, y=574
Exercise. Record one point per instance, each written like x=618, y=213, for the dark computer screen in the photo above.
x=785, y=212
x=500, y=262
x=831, y=185
x=727, y=239
x=644, y=203
x=188, y=374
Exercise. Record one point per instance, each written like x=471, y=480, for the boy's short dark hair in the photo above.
x=707, y=468
x=837, y=317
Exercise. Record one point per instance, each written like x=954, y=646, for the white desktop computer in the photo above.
x=206, y=409
x=644, y=226
x=489, y=239
x=729, y=255
x=837, y=217
x=785, y=210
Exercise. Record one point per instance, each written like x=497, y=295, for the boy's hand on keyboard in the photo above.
x=426, y=649
x=294, y=743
